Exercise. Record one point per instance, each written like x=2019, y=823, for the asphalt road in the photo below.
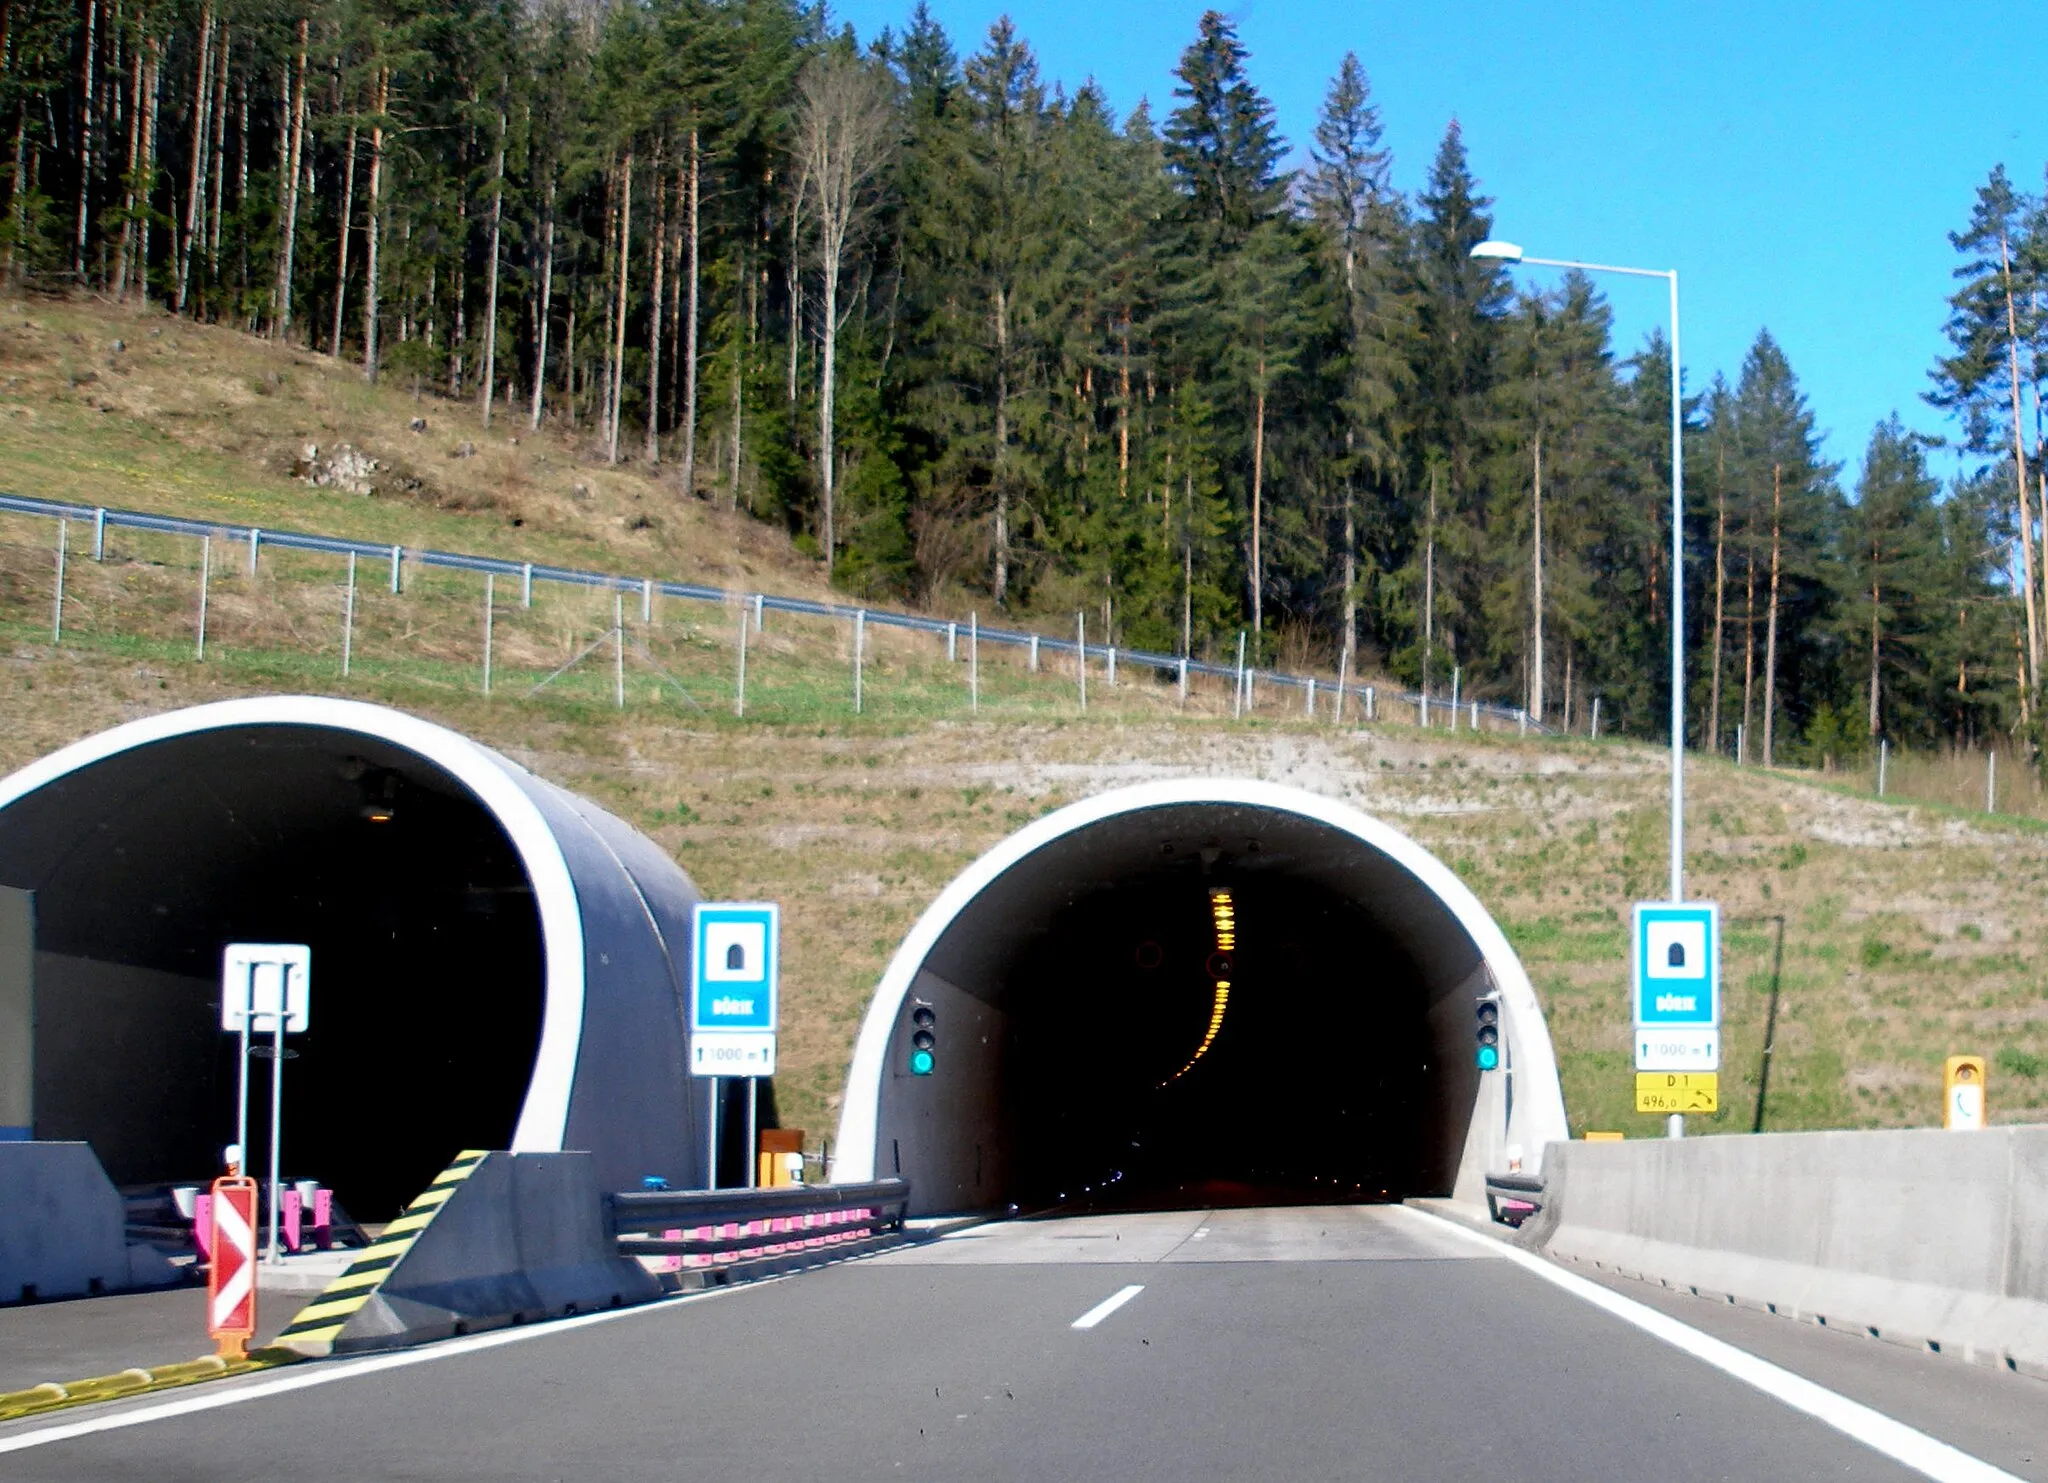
x=1333, y=1342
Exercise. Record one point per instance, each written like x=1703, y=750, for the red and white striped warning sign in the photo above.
x=231, y=1276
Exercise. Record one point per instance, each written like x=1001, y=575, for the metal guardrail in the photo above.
x=1513, y=1198
x=102, y=518
x=708, y=1224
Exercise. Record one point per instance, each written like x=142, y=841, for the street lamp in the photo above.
x=1508, y=252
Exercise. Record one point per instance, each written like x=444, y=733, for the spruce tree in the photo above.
x=1361, y=219
x=1993, y=319
x=1459, y=306
x=1889, y=582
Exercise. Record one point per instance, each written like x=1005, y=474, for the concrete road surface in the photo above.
x=1333, y=1342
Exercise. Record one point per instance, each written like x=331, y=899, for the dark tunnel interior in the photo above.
x=1309, y=1088
x=1189, y=1005
x=427, y=964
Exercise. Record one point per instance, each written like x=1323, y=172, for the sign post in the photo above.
x=1677, y=991
x=265, y=989
x=735, y=962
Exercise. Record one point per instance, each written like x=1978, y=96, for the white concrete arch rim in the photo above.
x=1536, y=1057
x=544, y=1114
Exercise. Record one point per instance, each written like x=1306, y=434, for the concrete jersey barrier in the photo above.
x=1928, y=1238
x=63, y=1229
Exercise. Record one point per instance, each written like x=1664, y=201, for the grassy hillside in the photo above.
x=1910, y=932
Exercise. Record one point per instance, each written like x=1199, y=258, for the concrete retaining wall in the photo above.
x=63, y=1229
x=1922, y=1237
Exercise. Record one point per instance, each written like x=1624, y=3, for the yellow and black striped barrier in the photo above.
x=318, y=1325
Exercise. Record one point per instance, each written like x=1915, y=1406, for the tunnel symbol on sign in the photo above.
x=735, y=952
x=1675, y=949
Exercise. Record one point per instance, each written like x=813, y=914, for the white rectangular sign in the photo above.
x=732, y=1053
x=261, y=980
x=1677, y=1050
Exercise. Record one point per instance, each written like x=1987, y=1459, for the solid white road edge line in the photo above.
x=1107, y=1306
x=1875, y=1430
x=327, y=1372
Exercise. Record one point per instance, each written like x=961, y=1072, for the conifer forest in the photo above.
x=976, y=341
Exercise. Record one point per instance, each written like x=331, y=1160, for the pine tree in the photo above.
x=1992, y=317
x=1459, y=306
x=1891, y=594
x=1221, y=146
x=1794, y=507
x=1361, y=218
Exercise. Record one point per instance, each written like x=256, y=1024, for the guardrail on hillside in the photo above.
x=527, y=573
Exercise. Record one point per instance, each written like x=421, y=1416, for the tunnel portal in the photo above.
x=1195, y=994
x=496, y=963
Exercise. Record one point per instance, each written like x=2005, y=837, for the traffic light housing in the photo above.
x=1487, y=1034
x=924, y=1039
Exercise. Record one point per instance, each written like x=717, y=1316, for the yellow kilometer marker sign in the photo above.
x=1678, y=1091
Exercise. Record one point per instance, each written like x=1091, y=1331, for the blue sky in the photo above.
x=1799, y=164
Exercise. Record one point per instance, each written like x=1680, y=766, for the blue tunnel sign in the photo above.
x=733, y=988
x=1677, y=985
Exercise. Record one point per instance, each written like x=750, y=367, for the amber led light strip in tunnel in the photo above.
x=1224, y=912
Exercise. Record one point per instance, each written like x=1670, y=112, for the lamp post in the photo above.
x=1508, y=252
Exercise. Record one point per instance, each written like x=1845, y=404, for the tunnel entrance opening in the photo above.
x=1194, y=993
x=1207, y=1037
x=428, y=969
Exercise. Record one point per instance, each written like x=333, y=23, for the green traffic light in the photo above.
x=920, y=1063
x=1489, y=1057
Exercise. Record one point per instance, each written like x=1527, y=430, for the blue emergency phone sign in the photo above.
x=1678, y=965
x=736, y=961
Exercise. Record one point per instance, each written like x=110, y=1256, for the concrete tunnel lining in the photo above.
x=1015, y=893
x=607, y=1068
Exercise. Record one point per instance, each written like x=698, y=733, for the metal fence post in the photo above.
x=1596, y=718
x=974, y=661
x=397, y=563
x=739, y=694
x=1883, y=753
x=1112, y=666
x=952, y=643
x=1034, y=653
x=1457, y=675
x=205, y=571
x=1372, y=703
x=647, y=600
x=860, y=636
x=99, y=535
x=526, y=585
x=1522, y=720
x=1309, y=698
x=760, y=611
x=348, y=616
x=57, y=609
x=1183, y=681
x=1475, y=716
x=1990, y=781
x=255, y=538
x=490, y=603
x=1237, y=700
x=618, y=649
x=1343, y=684
x=1081, y=655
